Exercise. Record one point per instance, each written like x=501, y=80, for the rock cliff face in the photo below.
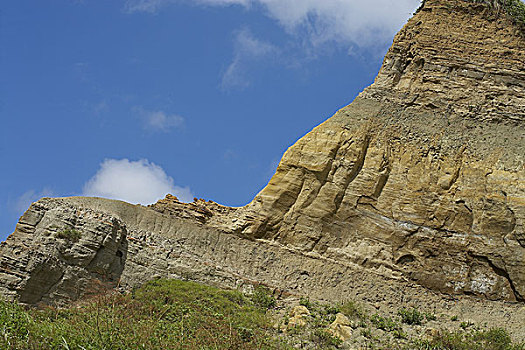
x=419, y=182
x=423, y=173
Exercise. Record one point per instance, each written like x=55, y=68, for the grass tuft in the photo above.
x=411, y=316
x=69, y=234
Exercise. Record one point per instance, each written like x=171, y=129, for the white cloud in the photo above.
x=370, y=23
x=159, y=121
x=151, y=6
x=362, y=23
x=134, y=182
x=248, y=50
x=24, y=201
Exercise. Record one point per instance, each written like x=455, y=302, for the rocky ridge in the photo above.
x=413, y=193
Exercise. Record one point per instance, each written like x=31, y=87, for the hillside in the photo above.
x=187, y=315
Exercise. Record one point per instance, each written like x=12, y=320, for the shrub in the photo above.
x=305, y=302
x=323, y=339
x=430, y=316
x=353, y=310
x=366, y=332
x=399, y=334
x=411, y=316
x=69, y=234
x=515, y=9
x=466, y=324
x=263, y=298
x=384, y=323
x=330, y=310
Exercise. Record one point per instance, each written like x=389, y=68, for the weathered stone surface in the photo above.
x=341, y=327
x=419, y=182
x=423, y=174
x=298, y=316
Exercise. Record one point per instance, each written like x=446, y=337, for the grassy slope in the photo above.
x=160, y=315
x=171, y=314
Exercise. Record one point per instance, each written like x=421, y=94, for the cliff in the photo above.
x=414, y=191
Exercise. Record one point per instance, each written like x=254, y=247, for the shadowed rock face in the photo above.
x=420, y=181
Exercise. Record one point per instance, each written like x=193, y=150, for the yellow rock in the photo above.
x=341, y=327
x=298, y=316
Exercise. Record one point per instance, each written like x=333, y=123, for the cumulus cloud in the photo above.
x=369, y=23
x=24, y=201
x=159, y=121
x=248, y=50
x=134, y=182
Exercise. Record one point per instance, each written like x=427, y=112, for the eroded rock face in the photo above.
x=38, y=266
x=423, y=174
x=420, y=181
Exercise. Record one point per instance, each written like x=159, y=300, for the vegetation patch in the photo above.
x=353, y=310
x=515, y=9
x=164, y=314
x=492, y=339
x=323, y=340
x=263, y=298
x=411, y=316
x=172, y=314
x=69, y=234
x=384, y=323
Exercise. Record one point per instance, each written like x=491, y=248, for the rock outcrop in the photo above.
x=419, y=182
x=423, y=174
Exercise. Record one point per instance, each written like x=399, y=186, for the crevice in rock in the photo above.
x=500, y=272
x=384, y=173
x=356, y=169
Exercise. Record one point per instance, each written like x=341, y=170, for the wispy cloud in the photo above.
x=248, y=51
x=369, y=23
x=158, y=121
x=24, y=201
x=151, y=6
x=134, y=182
x=348, y=22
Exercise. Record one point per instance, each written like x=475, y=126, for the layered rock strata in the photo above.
x=419, y=182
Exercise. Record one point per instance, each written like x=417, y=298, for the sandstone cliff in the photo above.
x=419, y=182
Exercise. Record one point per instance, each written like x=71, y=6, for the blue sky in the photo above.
x=133, y=99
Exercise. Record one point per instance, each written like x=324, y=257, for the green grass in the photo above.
x=69, y=234
x=263, y=298
x=163, y=314
x=384, y=323
x=322, y=339
x=172, y=314
x=516, y=10
x=411, y=316
x=353, y=310
x=492, y=339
